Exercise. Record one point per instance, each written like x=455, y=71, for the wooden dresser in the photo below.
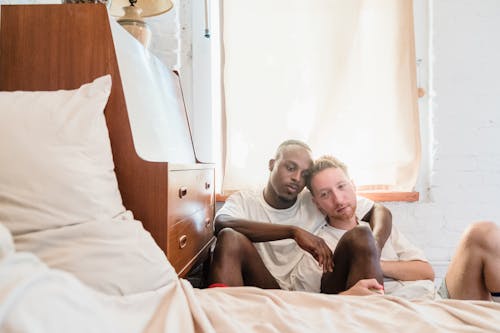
x=175, y=202
x=191, y=208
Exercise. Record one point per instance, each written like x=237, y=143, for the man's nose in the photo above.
x=335, y=198
x=296, y=175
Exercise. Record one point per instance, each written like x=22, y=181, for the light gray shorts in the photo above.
x=443, y=290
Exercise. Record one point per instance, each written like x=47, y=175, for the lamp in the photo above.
x=131, y=13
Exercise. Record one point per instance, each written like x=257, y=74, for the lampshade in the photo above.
x=131, y=13
x=149, y=7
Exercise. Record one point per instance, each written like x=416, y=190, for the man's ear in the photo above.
x=271, y=164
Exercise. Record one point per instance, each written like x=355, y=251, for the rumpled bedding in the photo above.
x=35, y=298
x=115, y=256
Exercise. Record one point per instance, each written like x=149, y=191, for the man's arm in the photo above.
x=407, y=270
x=380, y=219
x=266, y=232
x=410, y=264
x=255, y=231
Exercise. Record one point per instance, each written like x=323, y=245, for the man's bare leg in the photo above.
x=355, y=258
x=236, y=262
x=474, y=270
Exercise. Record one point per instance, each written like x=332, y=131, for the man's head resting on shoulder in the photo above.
x=288, y=170
x=332, y=189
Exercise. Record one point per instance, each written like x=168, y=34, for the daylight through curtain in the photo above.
x=339, y=75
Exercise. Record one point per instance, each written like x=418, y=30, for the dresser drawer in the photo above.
x=189, y=192
x=188, y=237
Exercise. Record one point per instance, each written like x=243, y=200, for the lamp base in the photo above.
x=133, y=23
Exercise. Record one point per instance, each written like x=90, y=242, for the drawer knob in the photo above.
x=183, y=192
x=207, y=185
x=183, y=241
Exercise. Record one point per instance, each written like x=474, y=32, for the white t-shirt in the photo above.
x=307, y=275
x=282, y=256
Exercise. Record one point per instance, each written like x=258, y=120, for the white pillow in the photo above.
x=115, y=256
x=56, y=166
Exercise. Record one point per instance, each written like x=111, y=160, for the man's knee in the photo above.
x=482, y=234
x=361, y=240
x=231, y=240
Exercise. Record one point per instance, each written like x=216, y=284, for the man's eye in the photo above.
x=323, y=195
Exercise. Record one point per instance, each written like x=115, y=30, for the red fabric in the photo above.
x=218, y=285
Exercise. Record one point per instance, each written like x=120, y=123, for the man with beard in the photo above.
x=263, y=235
x=473, y=273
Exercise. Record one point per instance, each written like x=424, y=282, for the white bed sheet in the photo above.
x=34, y=298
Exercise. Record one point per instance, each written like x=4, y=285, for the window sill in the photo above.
x=378, y=196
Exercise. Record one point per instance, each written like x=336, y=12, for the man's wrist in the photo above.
x=294, y=231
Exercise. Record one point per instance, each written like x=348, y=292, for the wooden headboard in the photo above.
x=50, y=47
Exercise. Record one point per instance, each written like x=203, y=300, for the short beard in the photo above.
x=287, y=200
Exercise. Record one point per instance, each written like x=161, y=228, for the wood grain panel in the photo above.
x=187, y=239
x=188, y=192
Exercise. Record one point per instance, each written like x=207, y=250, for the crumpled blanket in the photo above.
x=34, y=298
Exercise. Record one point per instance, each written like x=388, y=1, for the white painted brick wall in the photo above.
x=165, y=43
x=464, y=112
x=172, y=43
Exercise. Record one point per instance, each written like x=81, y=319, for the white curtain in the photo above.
x=337, y=74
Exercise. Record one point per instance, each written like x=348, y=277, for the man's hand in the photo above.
x=365, y=287
x=316, y=246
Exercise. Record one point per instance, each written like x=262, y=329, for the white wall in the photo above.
x=464, y=114
x=457, y=41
